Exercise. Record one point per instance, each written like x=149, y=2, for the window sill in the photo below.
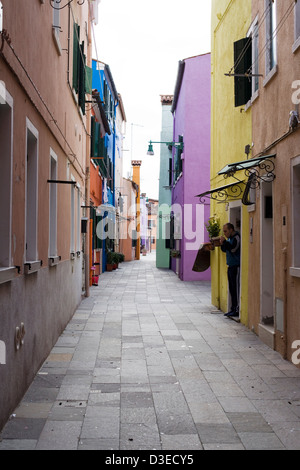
x=32, y=266
x=251, y=208
x=177, y=179
x=270, y=75
x=295, y=272
x=75, y=254
x=7, y=274
x=54, y=260
x=296, y=45
x=55, y=35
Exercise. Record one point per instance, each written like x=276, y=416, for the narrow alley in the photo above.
x=147, y=363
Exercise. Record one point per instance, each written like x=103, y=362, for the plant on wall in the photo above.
x=213, y=227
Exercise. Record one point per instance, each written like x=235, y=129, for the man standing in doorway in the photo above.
x=232, y=248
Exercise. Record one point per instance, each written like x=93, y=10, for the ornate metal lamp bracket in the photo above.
x=222, y=195
x=266, y=166
x=65, y=5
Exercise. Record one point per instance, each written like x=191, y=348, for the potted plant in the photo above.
x=119, y=257
x=109, y=260
x=115, y=260
x=213, y=229
x=144, y=251
x=175, y=254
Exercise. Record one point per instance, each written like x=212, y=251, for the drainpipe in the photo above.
x=284, y=336
x=87, y=236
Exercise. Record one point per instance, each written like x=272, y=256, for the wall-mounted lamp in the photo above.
x=178, y=145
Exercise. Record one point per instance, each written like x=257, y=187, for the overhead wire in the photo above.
x=7, y=39
x=276, y=31
x=247, y=45
x=260, y=23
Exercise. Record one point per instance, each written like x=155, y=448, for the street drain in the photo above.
x=72, y=403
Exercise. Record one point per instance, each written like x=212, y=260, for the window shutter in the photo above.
x=93, y=126
x=76, y=56
x=81, y=91
x=243, y=63
x=88, y=79
x=98, y=243
x=96, y=142
x=170, y=171
x=172, y=231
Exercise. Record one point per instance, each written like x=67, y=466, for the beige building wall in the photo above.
x=273, y=269
x=40, y=122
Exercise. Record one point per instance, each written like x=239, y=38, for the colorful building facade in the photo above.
x=45, y=150
x=191, y=163
x=109, y=157
x=274, y=263
x=165, y=185
x=231, y=137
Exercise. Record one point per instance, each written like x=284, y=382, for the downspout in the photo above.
x=114, y=153
x=87, y=234
x=284, y=336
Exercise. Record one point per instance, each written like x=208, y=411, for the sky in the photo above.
x=143, y=42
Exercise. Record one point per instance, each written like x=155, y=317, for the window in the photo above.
x=1, y=16
x=178, y=159
x=242, y=65
x=72, y=246
x=270, y=36
x=53, y=206
x=297, y=19
x=31, y=193
x=295, y=270
x=56, y=5
x=79, y=62
x=170, y=172
x=297, y=26
x=253, y=34
x=82, y=75
x=6, y=130
x=78, y=223
x=99, y=148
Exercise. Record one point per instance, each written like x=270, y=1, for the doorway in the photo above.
x=235, y=218
x=267, y=256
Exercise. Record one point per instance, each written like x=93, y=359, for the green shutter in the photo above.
x=81, y=90
x=88, y=79
x=76, y=56
x=92, y=136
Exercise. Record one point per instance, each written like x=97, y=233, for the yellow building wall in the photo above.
x=231, y=131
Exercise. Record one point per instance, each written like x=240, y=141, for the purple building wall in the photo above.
x=191, y=113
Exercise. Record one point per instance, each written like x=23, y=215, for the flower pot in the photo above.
x=95, y=280
x=215, y=241
x=109, y=267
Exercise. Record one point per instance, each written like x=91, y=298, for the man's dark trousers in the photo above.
x=233, y=280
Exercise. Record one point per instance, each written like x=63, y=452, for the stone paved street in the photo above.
x=147, y=363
